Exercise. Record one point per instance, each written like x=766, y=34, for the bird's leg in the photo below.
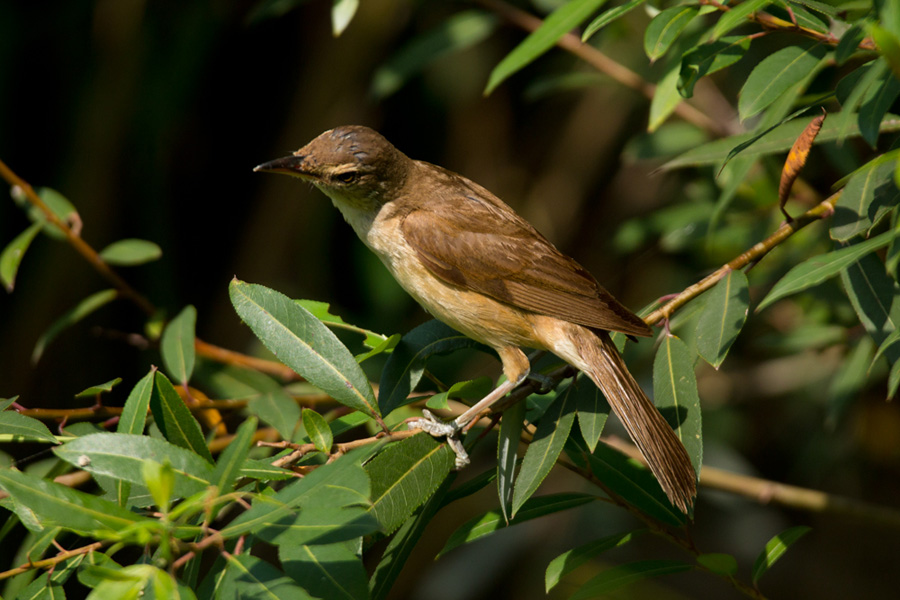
x=515, y=367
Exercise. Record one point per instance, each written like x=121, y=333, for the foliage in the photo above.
x=303, y=453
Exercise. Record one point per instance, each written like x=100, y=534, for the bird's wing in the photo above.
x=486, y=247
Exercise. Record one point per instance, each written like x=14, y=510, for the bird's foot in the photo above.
x=434, y=426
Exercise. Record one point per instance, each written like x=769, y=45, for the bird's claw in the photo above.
x=437, y=428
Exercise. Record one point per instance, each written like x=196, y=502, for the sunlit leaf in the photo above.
x=570, y=560
x=723, y=317
x=12, y=255
x=342, y=12
x=177, y=344
x=665, y=100
x=608, y=17
x=676, y=396
x=507, y=447
x=736, y=16
x=706, y=59
x=232, y=460
x=130, y=252
x=665, y=28
x=317, y=430
x=26, y=428
x=775, y=549
x=775, y=74
x=174, y=419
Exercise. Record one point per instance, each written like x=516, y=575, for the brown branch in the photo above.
x=751, y=256
x=53, y=561
x=600, y=61
x=230, y=357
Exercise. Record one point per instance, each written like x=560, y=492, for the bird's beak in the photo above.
x=289, y=165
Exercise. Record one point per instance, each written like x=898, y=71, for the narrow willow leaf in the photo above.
x=76, y=314
x=304, y=344
x=723, y=317
x=322, y=311
x=233, y=459
x=719, y=563
x=342, y=12
x=623, y=575
x=134, y=413
x=853, y=90
x=665, y=28
x=551, y=435
x=821, y=268
x=775, y=74
x=26, y=428
x=873, y=295
x=676, y=396
x=608, y=17
x=174, y=419
x=736, y=16
x=130, y=252
x=849, y=379
x=177, y=345
x=706, y=59
x=12, y=255
x=775, y=549
x=121, y=455
x=493, y=520
x=458, y=32
x=96, y=390
x=633, y=482
x=404, y=475
x=342, y=484
x=252, y=577
x=894, y=380
x=570, y=560
x=593, y=411
x=849, y=44
x=405, y=366
x=665, y=100
x=872, y=110
x=55, y=202
x=561, y=21
x=402, y=544
x=507, y=448
x=888, y=39
x=779, y=139
x=317, y=430
x=56, y=504
x=865, y=198
x=332, y=571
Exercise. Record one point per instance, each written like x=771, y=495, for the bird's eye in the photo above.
x=347, y=176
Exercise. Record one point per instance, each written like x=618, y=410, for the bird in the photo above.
x=472, y=262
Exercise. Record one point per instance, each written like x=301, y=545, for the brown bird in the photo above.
x=476, y=265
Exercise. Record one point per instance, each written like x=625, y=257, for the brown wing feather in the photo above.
x=488, y=248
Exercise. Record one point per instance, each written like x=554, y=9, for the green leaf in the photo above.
x=19, y=426
x=507, y=448
x=817, y=269
x=887, y=344
x=473, y=389
x=322, y=311
x=634, y=483
x=458, y=32
x=317, y=430
x=854, y=89
x=233, y=459
x=708, y=58
x=570, y=560
x=76, y=314
x=134, y=413
x=405, y=366
x=404, y=475
x=676, y=396
x=130, y=252
x=174, y=419
x=251, y=577
x=177, y=345
x=332, y=571
x=775, y=549
x=12, y=256
x=304, y=344
x=894, y=380
x=56, y=504
x=560, y=22
x=159, y=478
x=56, y=203
x=849, y=379
x=665, y=100
x=736, y=16
x=718, y=563
x=342, y=12
x=593, y=411
x=493, y=520
x=608, y=17
x=623, y=575
x=403, y=542
x=865, y=198
x=872, y=110
x=849, y=44
x=779, y=139
x=121, y=455
x=96, y=390
x=888, y=42
x=540, y=457
x=665, y=28
x=723, y=317
x=873, y=295
x=775, y=74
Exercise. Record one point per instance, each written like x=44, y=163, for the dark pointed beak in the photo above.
x=289, y=165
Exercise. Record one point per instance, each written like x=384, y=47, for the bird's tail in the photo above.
x=663, y=451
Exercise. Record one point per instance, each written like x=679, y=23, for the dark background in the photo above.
x=149, y=117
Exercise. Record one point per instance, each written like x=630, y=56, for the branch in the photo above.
x=753, y=255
